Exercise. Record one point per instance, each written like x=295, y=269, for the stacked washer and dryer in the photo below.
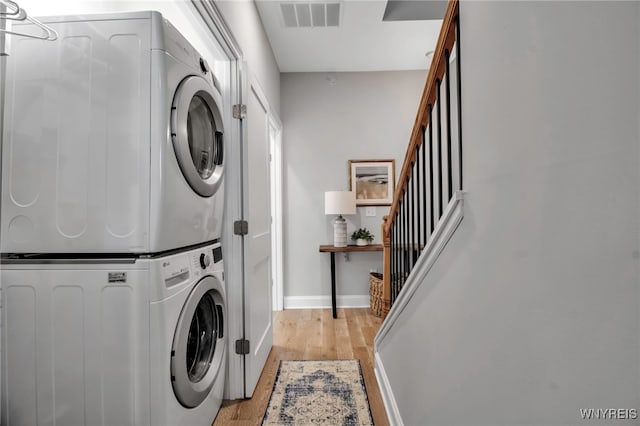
x=113, y=298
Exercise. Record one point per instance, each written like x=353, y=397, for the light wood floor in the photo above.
x=312, y=334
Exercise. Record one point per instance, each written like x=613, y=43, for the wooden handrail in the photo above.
x=446, y=41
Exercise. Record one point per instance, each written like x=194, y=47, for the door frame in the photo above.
x=3, y=63
x=277, y=262
x=232, y=245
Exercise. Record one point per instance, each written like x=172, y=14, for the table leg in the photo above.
x=333, y=284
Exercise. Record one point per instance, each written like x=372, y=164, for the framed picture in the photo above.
x=373, y=181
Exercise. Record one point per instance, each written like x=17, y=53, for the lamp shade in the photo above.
x=339, y=202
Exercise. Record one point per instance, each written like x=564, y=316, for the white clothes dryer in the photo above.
x=132, y=340
x=113, y=139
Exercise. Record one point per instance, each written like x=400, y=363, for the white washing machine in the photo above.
x=188, y=344
x=132, y=340
x=113, y=140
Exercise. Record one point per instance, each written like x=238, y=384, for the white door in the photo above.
x=257, y=243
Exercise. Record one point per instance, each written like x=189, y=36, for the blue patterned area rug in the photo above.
x=319, y=393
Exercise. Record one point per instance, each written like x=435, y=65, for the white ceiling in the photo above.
x=362, y=41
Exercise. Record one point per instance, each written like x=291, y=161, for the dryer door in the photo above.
x=198, y=343
x=196, y=132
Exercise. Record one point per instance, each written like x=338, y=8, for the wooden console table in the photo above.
x=348, y=249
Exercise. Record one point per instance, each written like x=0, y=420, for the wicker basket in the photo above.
x=375, y=293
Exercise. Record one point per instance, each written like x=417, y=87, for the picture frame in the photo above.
x=373, y=181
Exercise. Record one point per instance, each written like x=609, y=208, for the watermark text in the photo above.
x=609, y=413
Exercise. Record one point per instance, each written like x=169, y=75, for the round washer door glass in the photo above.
x=198, y=343
x=201, y=341
x=197, y=134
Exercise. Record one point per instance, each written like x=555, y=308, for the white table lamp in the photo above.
x=339, y=202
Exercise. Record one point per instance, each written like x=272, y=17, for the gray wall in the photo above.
x=364, y=116
x=532, y=310
x=244, y=22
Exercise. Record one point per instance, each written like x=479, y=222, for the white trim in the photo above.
x=214, y=19
x=232, y=248
x=441, y=235
x=321, y=302
x=393, y=413
x=275, y=147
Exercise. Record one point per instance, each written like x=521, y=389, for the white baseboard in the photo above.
x=320, y=302
x=387, y=393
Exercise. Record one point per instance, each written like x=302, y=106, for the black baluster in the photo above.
x=431, y=185
x=418, y=193
x=409, y=205
x=412, y=215
x=398, y=248
x=459, y=83
x=424, y=179
x=407, y=269
x=393, y=256
x=396, y=227
x=439, y=136
x=414, y=254
x=448, y=108
x=401, y=246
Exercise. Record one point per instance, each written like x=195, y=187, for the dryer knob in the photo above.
x=205, y=261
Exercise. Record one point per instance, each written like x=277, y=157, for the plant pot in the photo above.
x=361, y=242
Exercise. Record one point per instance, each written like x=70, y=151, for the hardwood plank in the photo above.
x=312, y=334
x=329, y=343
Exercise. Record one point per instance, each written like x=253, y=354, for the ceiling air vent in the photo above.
x=307, y=15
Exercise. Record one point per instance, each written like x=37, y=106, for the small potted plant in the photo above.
x=362, y=237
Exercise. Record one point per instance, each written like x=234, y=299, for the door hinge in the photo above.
x=240, y=111
x=242, y=347
x=241, y=227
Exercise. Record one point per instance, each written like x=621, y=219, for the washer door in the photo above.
x=198, y=343
x=196, y=132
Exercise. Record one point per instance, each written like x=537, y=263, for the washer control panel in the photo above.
x=205, y=259
x=175, y=270
x=181, y=267
x=217, y=254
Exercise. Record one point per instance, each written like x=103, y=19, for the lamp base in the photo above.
x=340, y=232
